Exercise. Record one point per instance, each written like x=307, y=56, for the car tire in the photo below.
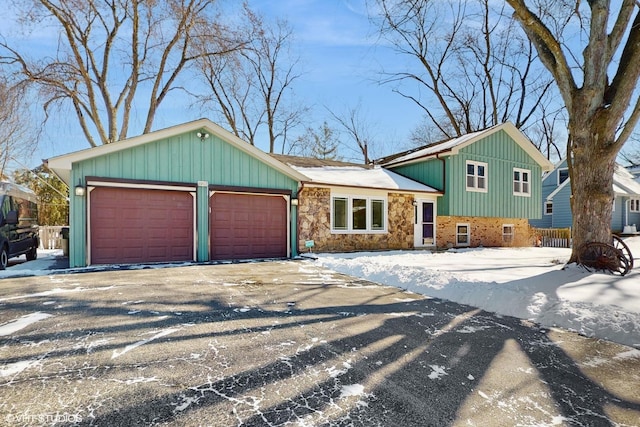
x=4, y=258
x=32, y=254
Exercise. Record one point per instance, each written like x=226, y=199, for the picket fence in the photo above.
x=553, y=237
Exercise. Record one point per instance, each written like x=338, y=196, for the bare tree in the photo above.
x=359, y=132
x=597, y=75
x=252, y=89
x=471, y=67
x=631, y=153
x=18, y=136
x=547, y=133
x=111, y=54
x=321, y=143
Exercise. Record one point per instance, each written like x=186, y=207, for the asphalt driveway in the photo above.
x=287, y=343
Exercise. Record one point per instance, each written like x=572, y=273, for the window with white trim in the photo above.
x=508, y=231
x=634, y=205
x=563, y=175
x=463, y=235
x=521, y=182
x=548, y=208
x=357, y=214
x=339, y=214
x=476, y=176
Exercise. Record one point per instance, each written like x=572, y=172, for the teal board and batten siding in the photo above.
x=184, y=159
x=428, y=172
x=502, y=154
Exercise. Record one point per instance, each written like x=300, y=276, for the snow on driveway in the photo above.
x=529, y=283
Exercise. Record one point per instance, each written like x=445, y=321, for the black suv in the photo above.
x=18, y=223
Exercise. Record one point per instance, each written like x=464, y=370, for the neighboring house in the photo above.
x=490, y=182
x=192, y=192
x=556, y=195
x=348, y=207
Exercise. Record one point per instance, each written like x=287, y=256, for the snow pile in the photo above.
x=529, y=283
x=48, y=259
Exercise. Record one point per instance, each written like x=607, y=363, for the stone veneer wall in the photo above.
x=314, y=223
x=484, y=231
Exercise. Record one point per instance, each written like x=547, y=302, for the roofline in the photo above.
x=508, y=127
x=629, y=193
x=312, y=184
x=557, y=190
x=65, y=161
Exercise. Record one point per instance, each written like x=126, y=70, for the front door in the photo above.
x=425, y=223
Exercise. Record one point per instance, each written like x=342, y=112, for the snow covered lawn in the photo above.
x=529, y=283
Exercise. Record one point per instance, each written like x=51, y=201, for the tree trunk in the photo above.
x=591, y=168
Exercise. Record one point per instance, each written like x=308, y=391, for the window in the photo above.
x=548, y=208
x=521, y=182
x=508, y=231
x=463, y=235
x=563, y=175
x=476, y=176
x=339, y=214
x=358, y=214
x=377, y=215
x=635, y=205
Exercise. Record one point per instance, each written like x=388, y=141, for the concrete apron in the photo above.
x=288, y=343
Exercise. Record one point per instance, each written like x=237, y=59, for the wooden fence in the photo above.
x=51, y=236
x=553, y=237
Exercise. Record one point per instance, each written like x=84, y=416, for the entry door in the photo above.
x=425, y=224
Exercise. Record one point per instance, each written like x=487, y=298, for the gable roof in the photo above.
x=623, y=184
x=453, y=146
x=342, y=174
x=61, y=165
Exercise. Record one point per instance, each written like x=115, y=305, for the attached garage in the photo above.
x=191, y=192
x=244, y=226
x=140, y=225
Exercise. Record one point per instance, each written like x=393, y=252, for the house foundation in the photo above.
x=482, y=231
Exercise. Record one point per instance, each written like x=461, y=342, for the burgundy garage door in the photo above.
x=140, y=225
x=246, y=226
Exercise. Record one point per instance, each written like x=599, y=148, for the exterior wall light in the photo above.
x=294, y=202
x=202, y=135
x=79, y=190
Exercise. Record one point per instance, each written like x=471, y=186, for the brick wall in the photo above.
x=484, y=231
x=314, y=223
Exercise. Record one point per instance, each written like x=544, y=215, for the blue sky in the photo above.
x=340, y=60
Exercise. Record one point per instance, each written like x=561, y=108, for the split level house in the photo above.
x=196, y=192
x=556, y=200
x=490, y=184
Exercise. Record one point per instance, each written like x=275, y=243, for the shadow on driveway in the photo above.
x=287, y=343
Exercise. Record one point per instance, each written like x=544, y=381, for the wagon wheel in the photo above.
x=602, y=256
x=619, y=244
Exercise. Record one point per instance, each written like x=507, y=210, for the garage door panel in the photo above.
x=130, y=225
x=248, y=226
